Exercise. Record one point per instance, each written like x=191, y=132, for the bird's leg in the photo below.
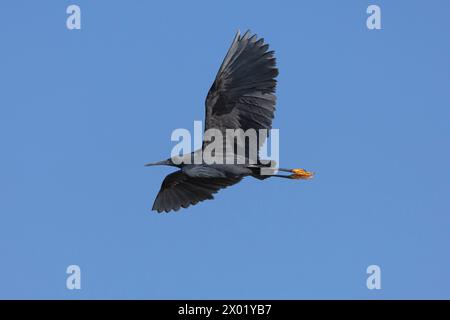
x=282, y=176
x=296, y=174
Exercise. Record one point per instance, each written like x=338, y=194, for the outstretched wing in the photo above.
x=242, y=95
x=180, y=190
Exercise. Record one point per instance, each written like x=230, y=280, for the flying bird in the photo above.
x=242, y=96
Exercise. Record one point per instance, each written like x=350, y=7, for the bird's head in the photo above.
x=167, y=162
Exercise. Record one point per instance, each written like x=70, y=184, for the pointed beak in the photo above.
x=158, y=163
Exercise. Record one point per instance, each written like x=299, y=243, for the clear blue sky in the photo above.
x=82, y=111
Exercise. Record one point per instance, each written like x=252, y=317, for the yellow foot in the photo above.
x=301, y=174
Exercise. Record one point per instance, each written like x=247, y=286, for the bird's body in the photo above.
x=241, y=97
x=216, y=170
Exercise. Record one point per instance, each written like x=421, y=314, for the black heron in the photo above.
x=241, y=97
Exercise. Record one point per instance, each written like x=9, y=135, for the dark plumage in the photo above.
x=241, y=97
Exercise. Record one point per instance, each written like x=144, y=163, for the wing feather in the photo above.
x=242, y=95
x=180, y=190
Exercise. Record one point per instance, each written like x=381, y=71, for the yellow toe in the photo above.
x=301, y=174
